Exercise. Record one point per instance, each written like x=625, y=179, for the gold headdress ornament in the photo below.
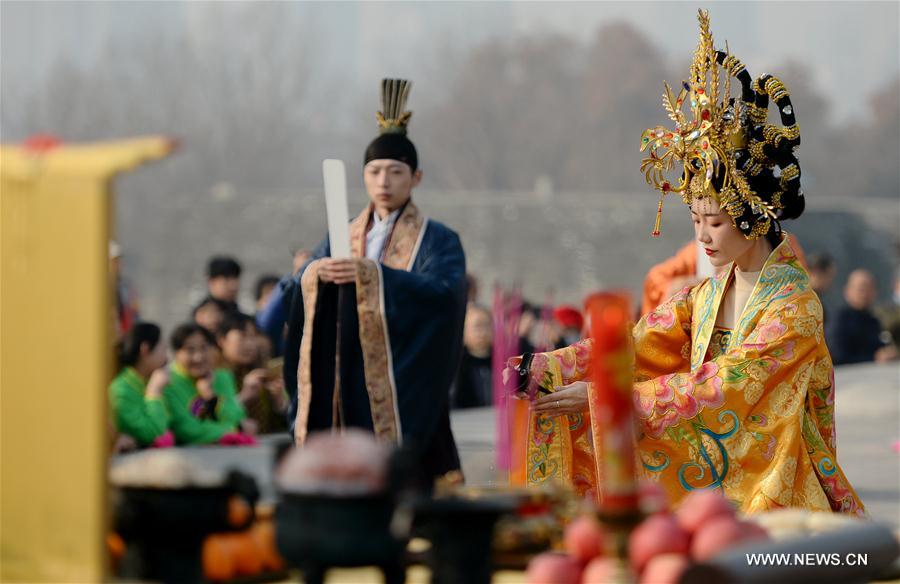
x=392, y=119
x=725, y=141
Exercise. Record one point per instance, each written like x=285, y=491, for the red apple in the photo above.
x=722, y=533
x=601, y=571
x=700, y=507
x=665, y=569
x=553, y=568
x=584, y=539
x=658, y=534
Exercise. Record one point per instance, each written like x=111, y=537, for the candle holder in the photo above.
x=612, y=424
x=165, y=528
x=319, y=530
x=619, y=525
x=461, y=531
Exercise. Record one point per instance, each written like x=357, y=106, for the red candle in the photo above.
x=612, y=418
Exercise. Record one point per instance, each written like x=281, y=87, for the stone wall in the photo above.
x=566, y=244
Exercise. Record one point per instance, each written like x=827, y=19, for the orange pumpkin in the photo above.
x=247, y=560
x=263, y=532
x=218, y=558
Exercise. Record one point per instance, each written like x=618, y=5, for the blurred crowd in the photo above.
x=224, y=383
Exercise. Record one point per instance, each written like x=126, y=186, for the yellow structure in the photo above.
x=56, y=354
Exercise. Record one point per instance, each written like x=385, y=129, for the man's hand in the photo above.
x=338, y=271
x=568, y=399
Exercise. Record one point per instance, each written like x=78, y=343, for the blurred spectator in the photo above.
x=201, y=400
x=261, y=393
x=209, y=313
x=126, y=299
x=236, y=338
x=547, y=331
x=472, y=388
x=889, y=313
x=223, y=281
x=571, y=323
x=471, y=288
x=271, y=319
x=264, y=286
x=527, y=324
x=822, y=271
x=855, y=335
x=135, y=395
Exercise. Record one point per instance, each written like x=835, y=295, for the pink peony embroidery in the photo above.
x=575, y=364
x=542, y=436
x=662, y=318
x=835, y=486
x=643, y=404
x=681, y=397
x=770, y=331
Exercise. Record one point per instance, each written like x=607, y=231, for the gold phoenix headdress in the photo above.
x=727, y=150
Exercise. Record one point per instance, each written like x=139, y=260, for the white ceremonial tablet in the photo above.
x=336, y=206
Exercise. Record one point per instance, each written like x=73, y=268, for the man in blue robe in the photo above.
x=395, y=311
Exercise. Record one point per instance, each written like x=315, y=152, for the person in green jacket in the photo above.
x=135, y=394
x=201, y=400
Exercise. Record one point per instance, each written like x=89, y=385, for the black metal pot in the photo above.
x=318, y=532
x=461, y=531
x=165, y=528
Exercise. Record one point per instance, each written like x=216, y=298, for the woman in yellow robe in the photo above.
x=733, y=383
x=749, y=411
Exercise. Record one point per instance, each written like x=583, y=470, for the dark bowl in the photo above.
x=165, y=528
x=461, y=532
x=315, y=532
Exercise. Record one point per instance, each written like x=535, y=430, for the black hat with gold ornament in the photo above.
x=393, y=119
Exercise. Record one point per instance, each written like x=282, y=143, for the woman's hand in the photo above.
x=124, y=443
x=204, y=387
x=249, y=426
x=252, y=385
x=275, y=387
x=568, y=399
x=159, y=379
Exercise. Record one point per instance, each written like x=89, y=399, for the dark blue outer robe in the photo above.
x=400, y=337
